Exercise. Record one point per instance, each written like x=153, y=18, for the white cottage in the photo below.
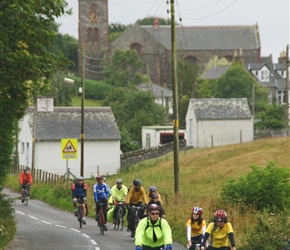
x=52, y=124
x=153, y=136
x=216, y=122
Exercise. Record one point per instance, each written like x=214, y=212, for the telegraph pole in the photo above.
x=287, y=89
x=175, y=101
x=82, y=114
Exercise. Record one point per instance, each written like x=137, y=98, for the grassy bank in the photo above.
x=203, y=172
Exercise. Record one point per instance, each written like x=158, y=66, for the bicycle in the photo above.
x=136, y=218
x=80, y=212
x=194, y=245
x=101, y=218
x=26, y=194
x=120, y=216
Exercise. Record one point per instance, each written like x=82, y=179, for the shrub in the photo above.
x=261, y=188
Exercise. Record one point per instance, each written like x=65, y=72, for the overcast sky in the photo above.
x=272, y=16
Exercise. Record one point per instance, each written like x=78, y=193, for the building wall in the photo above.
x=105, y=154
x=25, y=144
x=210, y=133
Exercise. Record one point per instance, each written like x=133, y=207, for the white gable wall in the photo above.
x=105, y=154
x=25, y=143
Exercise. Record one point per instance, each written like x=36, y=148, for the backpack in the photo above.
x=159, y=224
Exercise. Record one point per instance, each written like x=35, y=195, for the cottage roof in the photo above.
x=215, y=72
x=207, y=37
x=220, y=108
x=156, y=90
x=65, y=122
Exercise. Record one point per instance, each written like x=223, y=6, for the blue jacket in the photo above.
x=79, y=191
x=100, y=191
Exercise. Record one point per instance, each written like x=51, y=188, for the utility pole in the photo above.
x=287, y=89
x=175, y=101
x=82, y=114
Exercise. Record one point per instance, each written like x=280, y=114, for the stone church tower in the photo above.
x=93, y=36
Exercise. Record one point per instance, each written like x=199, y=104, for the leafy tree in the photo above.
x=262, y=188
x=272, y=116
x=115, y=30
x=134, y=109
x=150, y=21
x=124, y=68
x=215, y=61
x=205, y=88
x=25, y=64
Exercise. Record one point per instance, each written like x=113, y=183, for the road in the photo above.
x=41, y=227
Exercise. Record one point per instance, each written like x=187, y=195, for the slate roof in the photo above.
x=215, y=72
x=207, y=37
x=156, y=90
x=221, y=108
x=65, y=122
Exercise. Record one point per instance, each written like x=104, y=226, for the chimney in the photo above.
x=282, y=58
x=156, y=23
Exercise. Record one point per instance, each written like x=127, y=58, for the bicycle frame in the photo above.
x=136, y=216
x=101, y=217
x=120, y=216
x=26, y=196
x=80, y=213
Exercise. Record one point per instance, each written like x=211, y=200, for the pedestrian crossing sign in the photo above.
x=69, y=148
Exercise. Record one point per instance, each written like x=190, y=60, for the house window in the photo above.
x=264, y=75
x=281, y=96
x=229, y=58
x=166, y=101
x=191, y=60
x=137, y=47
x=148, y=143
x=22, y=150
x=270, y=97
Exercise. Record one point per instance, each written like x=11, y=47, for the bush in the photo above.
x=270, y=232
x=262, y=188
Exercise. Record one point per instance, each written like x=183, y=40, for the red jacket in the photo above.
x=25, y=178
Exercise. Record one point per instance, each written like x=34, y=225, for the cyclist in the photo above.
x=25, y=179
x=119, y=194
x=153, y=232
x=79, y=194
x=137, y=197
x=196, y=227
x=220, y=231
x=153, y=189
x=101, y=195
x=154, y=200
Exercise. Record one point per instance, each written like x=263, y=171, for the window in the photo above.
x=148, y=143
x=137, y=47
x=270, y=97
x=191, y=60
x=264, y=75
x=281, y=96
x=166, y=101
x=229, y=58
x=22, y=150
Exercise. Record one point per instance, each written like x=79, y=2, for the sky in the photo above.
x=272, y=17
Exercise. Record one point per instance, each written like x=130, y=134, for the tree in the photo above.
x=124, y=68
x=272, y=117
x=133, y=109
x=25, y=64
x=115, y=30
x=215, y=61
x=150, y=21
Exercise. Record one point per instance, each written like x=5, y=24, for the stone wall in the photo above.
x=136, y=156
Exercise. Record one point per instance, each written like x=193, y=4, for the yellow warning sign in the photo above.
x=69, y=148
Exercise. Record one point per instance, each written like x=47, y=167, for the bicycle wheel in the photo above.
x=80, y=215
x=26, y=197
x=101, y=222
x=120, y=219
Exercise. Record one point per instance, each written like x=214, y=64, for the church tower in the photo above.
x=93, y=36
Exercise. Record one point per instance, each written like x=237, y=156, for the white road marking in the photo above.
x=97, y=248
x=20, y=212
x=60, y=226
x=86, y=236
x=32, y=217
x=48, y=223
x=73, y=229
x=95, y=243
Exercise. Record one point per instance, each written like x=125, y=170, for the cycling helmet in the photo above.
x=152, y=189
x=197, y=210
x=137, y=182
x=26, y=169
x=104, y=178
x=220, y=215
x=153, y=207
x=99, y=177
x=80, y=178
x=119, y=181
x=154, y=195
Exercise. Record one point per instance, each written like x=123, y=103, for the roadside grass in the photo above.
x=203, y=173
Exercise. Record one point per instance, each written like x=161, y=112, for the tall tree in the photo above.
x=150, y=21
x=25, y=64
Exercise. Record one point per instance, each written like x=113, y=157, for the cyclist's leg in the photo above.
x=97, y=212
x=22, y=192
x=105, y=209
x=115, y=212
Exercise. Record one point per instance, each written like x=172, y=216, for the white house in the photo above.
x=216, y=122
x=52, y=124
x=153, y=136
x=163, y=96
